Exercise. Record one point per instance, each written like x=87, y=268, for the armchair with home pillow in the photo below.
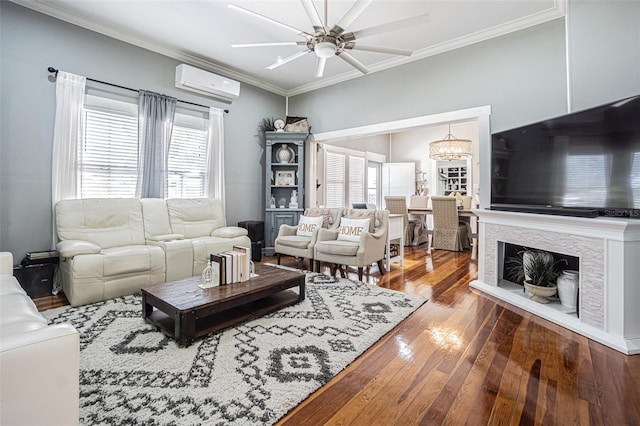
x=358, y=241
x=299, y=240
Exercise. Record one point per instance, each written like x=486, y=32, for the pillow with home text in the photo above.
x=308, y=224
x=352, y=229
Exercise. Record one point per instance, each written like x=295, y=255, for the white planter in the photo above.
x=568, y=288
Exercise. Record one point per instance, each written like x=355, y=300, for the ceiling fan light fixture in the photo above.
x=325, y=49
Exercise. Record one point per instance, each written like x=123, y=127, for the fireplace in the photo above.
x=563, y=262
x=606, y=252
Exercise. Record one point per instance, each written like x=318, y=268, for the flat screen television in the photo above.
x=581, y=164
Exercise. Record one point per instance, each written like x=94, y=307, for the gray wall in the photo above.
x=604, y=51
x=31, y=42
x=522, y=76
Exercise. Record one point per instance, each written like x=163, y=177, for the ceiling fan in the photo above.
x=327, y=42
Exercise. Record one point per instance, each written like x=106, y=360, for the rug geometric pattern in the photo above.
x=252, y=373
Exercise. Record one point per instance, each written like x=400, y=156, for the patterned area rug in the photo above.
x=253, y=373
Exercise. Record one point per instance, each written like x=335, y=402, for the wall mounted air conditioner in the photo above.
x=206, y=83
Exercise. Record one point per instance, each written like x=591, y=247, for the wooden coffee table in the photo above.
x=184, y=311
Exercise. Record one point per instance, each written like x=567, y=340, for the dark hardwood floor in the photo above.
x=468, y=358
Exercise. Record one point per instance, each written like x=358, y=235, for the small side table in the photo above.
x=395, y=231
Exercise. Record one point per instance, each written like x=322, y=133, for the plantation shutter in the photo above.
x=334, y=179
x=356, y=180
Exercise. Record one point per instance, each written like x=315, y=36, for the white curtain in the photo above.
x=66, y=134
x=215, y=159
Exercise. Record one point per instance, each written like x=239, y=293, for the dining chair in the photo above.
x=449, y=233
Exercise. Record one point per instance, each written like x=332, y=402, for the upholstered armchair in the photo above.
x=354, y=242
x=448, y=232
x=299, y=240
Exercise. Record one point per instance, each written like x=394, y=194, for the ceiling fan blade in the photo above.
x=313, y=15
x=288, y=59
x=277, y=43
x=377, y=49
x=320, y=66
x=269, y=20
x=385, y=28
x=352, y=61
x=358, y=7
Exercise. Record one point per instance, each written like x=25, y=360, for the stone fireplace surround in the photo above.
x=609, y=264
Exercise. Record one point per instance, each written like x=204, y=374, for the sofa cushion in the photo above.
x=352, y=229
x=307, y=225
x=195, y=217
x=17, y=308
x=295, y=241
x=337, y=247
x=107, y=222
x=229, y=232
x=127, y=260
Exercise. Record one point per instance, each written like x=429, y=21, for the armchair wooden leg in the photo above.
x=381, y=267
x=312, y=265
x=333, y=269
x=278, y=255
x=343, y=271
x=316, y=265
x=360, y=273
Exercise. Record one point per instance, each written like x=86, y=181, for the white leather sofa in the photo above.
x=189, y=230
x=103, y=251
x=39, y=363
x=111, y=247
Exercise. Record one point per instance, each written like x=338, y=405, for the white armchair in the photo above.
x=293, y=241
x=332, y=247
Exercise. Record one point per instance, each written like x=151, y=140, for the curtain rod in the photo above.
x=55, y=72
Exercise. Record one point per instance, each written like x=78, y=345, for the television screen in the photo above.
x=585, y=163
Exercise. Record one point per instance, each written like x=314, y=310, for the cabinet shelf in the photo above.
x=291, y=173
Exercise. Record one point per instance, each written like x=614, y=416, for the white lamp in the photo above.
x=325, y=49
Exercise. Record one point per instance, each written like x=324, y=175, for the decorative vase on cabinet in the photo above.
x=284, y=182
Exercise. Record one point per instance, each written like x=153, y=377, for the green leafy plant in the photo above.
x=538, y=266
x=266, y=125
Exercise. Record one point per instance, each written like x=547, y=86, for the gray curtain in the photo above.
x=155, y=123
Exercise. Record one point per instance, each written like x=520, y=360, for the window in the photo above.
x=346, y=179
x=108, y=157
x=187, y=161
x=587, y=175
x=108, y=151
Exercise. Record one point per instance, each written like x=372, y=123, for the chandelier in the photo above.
x=450, y=148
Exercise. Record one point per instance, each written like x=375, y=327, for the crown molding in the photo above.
x=558, y=11
x=49, y=8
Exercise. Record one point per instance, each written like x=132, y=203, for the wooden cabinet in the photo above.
x=284, y=182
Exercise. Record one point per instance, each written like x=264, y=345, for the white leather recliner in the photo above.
x=103, y=251
x=201, y=221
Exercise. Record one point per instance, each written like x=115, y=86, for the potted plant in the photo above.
x=537, y=269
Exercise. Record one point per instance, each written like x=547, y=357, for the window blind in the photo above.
x=187, y=162
x=356, y=180
x=108, y=157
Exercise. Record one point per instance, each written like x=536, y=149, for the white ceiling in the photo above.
x=200, y=32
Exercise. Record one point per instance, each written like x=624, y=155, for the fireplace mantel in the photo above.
x=609, y=257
